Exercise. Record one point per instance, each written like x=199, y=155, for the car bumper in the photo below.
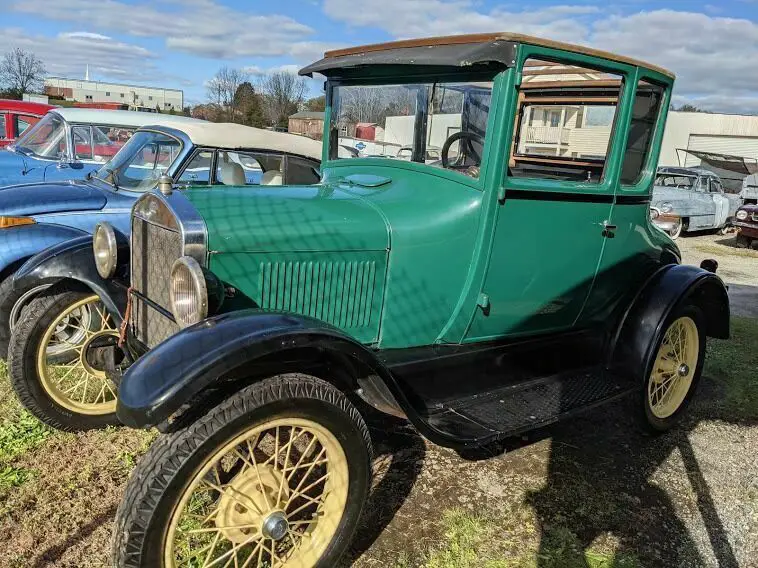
x=749, y=230
x=667, y=222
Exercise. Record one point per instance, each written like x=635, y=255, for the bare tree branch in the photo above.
x=223, y=88
x=284, y=93
x=21, y=72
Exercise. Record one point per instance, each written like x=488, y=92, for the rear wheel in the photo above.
x=676, y=369
x=677, y=230
x=54, y=360
x=276, y=475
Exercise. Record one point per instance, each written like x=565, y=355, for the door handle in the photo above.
x=609, y=230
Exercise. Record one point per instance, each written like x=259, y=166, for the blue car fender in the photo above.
x=18, y=244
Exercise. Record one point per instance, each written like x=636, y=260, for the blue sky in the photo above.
x=713, y=48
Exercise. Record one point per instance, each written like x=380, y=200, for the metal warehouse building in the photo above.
x=101, y=92
x=731, y=134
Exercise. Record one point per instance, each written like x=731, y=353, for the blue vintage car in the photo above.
x=690, y=199
x=68, y=143
x=34, y=217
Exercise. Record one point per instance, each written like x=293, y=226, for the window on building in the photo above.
x=88, y=97
x=150, y=98
x=564, y=122
x=122, y=95
x=647, y=108
x=107, y=93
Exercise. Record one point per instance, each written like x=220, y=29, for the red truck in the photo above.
x=17, y=116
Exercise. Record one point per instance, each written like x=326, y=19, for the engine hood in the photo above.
x=288, y=219
x=40, y=198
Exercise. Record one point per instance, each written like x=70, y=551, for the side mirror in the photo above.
x=76, y=165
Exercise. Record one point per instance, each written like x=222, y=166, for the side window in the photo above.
x=716, y=186
x=198, y=171
x=246, y=168
x=23, y=122
x=82, y=136
x=2, y=127
x=647, y=107
x=300, y=171
x=108, y=140
x=564, y=122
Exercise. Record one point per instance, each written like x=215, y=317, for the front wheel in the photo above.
x=276, y=475
x=56, y=364
x=676, y=369
x=677, y=229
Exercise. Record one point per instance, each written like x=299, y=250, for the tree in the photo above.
x=284, y=92
x=21, y=72
x=223, y=88
x=316, y=104
x=686, y=107
x=250, y=105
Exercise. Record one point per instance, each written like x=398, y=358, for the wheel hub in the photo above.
x=95, y=351
x=684, y=370
x=251, y=504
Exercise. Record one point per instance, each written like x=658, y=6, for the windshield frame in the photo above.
x=331, y=133
x=19, y=146
x=186, y=148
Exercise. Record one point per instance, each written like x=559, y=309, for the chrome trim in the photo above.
x=198, y=281
x=109, y=269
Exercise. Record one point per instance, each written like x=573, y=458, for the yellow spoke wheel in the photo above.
x=271, y=497
x=674, y=368
x=65, y=372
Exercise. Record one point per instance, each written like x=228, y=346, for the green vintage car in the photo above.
x=515, y=281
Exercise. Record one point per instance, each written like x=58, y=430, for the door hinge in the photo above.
x=484, y=303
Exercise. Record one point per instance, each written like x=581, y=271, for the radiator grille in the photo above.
x=340, y=293
x=153, y=252
x=755, y=217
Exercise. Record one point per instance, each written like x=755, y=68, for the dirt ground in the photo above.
x=593, y=492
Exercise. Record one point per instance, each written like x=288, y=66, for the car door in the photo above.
x=551, y=224
x=720, y=201
x=704, y=208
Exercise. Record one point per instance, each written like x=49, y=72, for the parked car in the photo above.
x=255, y=319
x=749, y=191
x=201, y=154
x=68, y=143
x=17, y=116
x=746, y=221
x=691, y=199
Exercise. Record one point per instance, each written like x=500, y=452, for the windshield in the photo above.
x=143, y=159
x=46, y=139
x=383, y=121
x=678, y=181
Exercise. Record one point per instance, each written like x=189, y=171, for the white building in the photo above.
x=101, y=92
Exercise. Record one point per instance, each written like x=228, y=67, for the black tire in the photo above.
x=653, y=422
x=35, y=319
x=164, y=473
x=743, y=242
x=8, y=299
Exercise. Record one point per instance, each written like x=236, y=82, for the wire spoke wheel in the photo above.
x=674, y=368
x=65, y=371
x=271, y=497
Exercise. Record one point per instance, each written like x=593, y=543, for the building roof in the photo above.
x=122, y=117
x=459, y=50
x=308, y=114
x=25, y=106
x=237, y=136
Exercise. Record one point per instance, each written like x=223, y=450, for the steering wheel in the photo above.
x=469, y=137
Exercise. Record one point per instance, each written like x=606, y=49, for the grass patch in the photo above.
x=21, y=435
x=726, y=250
x=733, y=363
x=13, y=477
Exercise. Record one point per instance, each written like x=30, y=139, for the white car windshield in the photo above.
x=143, y=159
x=46, y=139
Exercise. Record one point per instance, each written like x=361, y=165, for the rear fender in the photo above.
x=215, y=353
x=632, y=350
x=74, y=260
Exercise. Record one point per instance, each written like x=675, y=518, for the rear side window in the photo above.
x=647, y=107
x=564, y=123
x=2, y=127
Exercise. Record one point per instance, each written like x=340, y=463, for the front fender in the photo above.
x=642, y=325
x=73, y=260
x=22, y=242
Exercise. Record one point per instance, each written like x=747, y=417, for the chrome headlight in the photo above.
x=106, y=249
x=666, y=207
x=189, y=294
x=741, y=215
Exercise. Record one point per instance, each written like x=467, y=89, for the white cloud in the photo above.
x=69, y=53
x=201, y=27
x=713, y=57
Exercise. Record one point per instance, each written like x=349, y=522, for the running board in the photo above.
x=515, y=408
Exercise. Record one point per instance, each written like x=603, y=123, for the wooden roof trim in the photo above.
x=492, y=37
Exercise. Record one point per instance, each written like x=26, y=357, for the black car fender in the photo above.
x=74, y=260
x=172, y=377
x=632, y=348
